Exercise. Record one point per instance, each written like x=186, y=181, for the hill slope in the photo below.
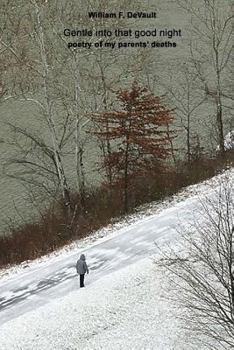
x=124, y=304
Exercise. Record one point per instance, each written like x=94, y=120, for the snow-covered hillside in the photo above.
x=124, y=310
x=125, y=304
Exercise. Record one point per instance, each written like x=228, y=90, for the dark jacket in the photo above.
x=81, y=266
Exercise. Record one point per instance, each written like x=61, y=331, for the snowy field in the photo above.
x=126, y=302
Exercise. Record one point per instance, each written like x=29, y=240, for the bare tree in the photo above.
x=211, y=49
x=184, y=94
x=34, y=79
x=202, y=269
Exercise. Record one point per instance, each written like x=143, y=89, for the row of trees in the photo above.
x=76, y=94
x=56, y=83
x=201, y=88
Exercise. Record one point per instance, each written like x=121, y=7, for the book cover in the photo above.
x=108, y=108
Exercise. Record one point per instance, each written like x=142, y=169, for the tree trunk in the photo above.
x=49, y=117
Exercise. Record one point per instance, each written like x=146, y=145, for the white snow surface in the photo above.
x=228, y=141
x=125, y=304
x=124, y=310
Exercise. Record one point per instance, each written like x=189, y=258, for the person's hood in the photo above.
x=82, y=257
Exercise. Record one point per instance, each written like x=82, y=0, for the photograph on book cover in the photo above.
x=116, y=171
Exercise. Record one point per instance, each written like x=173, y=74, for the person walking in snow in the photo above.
x=82, y=269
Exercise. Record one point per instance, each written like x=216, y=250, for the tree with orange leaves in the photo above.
x=138, y=133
